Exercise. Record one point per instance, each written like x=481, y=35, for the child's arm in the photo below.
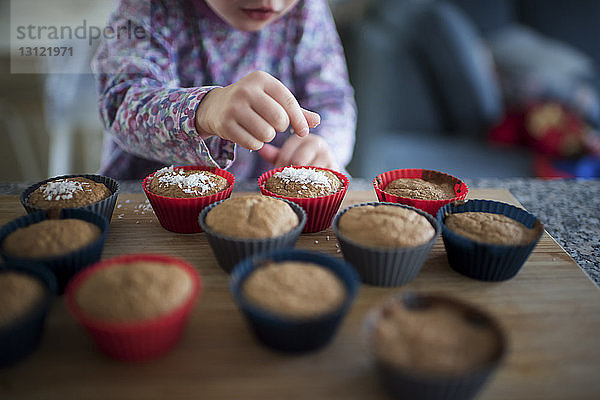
x=142, y=103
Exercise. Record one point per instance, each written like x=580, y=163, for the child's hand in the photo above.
x=309, y=150
x=251, y=111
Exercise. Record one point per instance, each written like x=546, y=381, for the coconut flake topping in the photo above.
x=304, y=176
x=196, y=183
x=62, y=189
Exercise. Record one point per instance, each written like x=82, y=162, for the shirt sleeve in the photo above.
x=322, y=79
x=141, y=102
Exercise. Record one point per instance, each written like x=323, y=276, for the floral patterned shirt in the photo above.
x=170, y=53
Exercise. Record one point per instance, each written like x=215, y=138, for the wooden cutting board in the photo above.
x=550, y=310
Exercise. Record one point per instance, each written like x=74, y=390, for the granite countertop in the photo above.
x=567, y=207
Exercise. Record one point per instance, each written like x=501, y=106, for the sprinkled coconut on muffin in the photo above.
x=303, y=182
x=170, y=182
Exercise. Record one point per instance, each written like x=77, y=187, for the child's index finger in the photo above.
x=312, y=118
x=286, y=99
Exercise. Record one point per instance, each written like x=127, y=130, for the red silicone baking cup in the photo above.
x=381, y=181
x=319, y=210
x=141, y=340
x=181, y=214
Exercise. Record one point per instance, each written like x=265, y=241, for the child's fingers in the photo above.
x=269, y=153
x=238, y=134
x=286, y=99
x=287, y=151
x=305, y=153
x=312, y=118
x=257, y=126
x=324, y=160
x=272, y=112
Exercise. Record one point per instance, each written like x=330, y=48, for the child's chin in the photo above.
x=251, y=26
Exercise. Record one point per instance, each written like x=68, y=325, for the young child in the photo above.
x=194, y=82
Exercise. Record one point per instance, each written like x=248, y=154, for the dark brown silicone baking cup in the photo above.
x=181, y=214
x=381, y=181
x=293, y=335
x=484, y=261
x=65, y=266
x=20, y=337
x=406, y=383
x=319, y=210
x=385, y=266
x=229, y=250
x=103, y=207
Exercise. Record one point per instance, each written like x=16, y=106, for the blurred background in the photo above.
x=475, y=88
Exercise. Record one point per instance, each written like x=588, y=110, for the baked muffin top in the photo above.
x=50, y=238
x=385, y=226
x=438, y=339
x=19, y=293
x=252, y=217
x=303, y=182
x=68, y=193
x=294, y=289
x=431, y=188
x=134, y=291
x=491, y=228
x=171, y=182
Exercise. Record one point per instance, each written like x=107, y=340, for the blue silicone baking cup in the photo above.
x=229, y=251
x=103, y=207
x=484, y=261
x=22, y=336
x=288, y=334
x=66, y=266
x=405, y=383
x=386, y=267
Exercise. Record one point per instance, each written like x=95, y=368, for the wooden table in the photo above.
x=551, y=312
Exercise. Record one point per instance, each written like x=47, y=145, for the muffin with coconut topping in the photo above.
x=170, y=182
x=95, y=193
x=179, y=194
x=303, y=182
x=68, y=193
x=319, y=191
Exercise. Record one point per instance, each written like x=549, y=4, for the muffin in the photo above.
x=432, y=347
x=64, y=246
x=385, y=226
x=387, y=243
x=241, y=226
x=135, y=306
x=19, y=293
x=491, y=228
x=491, y=241
x=253, y=216
x=435, y=188
x=68, y=193
x=294, y=289
x=179, y=194
x=26, y=292
x=293, y=300
x=319, y=191
x=421, y=188
x=135, y=291
x=94, y=193
x=438, y=339
x=50, y=238
x=303, y=182
x=171, y=182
